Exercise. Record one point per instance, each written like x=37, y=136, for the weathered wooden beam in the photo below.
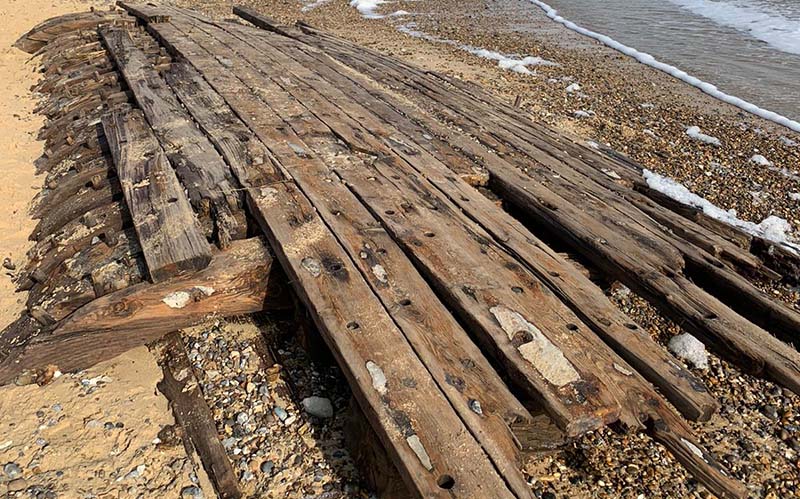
x=464, y=265
x=235, y=282
x=258, y=19
x=405, y=294
x=191, y=411
x=278, y=205
x=426, y=159
x=704, y=467
x=109, y=192
x=168, y=231
x=40, y=35
x=148, y=13
x=630, y=260
x=211, y=187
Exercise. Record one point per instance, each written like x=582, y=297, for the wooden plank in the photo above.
x=703, y=467
x=76, y=236
x=682, y=388
x=425, y=436
x=41, y=34
x=191, y=412
x=146, y=12
x=601, y=245
x=236, y=282
x=208, y=180
x=67, y=186
x=429, y=443
x=108, y=192
x=597, y=407
x=460, y=369
x=162, y=216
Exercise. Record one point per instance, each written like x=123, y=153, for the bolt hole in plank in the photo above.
x=389, y=212
x=631, y=326
x=405, y=302
x=429, y=234
x=572, y=327
x=353, y=326
x=710, y=316
x=518, y=290
x=446, y=482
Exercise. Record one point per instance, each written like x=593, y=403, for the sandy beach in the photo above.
x=584, y=89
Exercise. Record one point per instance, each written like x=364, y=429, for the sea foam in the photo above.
x=759, y=21
x=651, y=61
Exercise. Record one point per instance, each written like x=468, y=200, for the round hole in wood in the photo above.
x=572, y=327
x=334, y=267
x=353, y=326
x=429, y=234
x=172, y=200
x=381, y=251
x=389, y=212
x=517, y=289
x=631, y=326
x=554, y=274
x=446, y=482
x=710, y=316
x=405, y=302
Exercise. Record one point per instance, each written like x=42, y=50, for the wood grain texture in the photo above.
x=191, y=411
x=168, y=231
x=236, y=282
x=455, y=362
x=211, y=187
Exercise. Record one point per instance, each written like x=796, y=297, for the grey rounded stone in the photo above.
x=192, y=491
x=320, y=407
x=12, y=470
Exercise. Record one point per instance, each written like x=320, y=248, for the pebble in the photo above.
x=8, y=264
x=192, y=491
x=281, y=413
x=17, y=484
x=136, y=473
x=771, y=412
x=267, y=467
x=12, y=470
x=318, y=406
x=242, y=418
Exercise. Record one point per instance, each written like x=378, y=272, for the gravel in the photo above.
x=262, y=422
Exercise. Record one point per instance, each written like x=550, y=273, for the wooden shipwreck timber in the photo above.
x=193, y=165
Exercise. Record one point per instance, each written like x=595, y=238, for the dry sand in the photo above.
x=18, y=145
x=95, y=434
